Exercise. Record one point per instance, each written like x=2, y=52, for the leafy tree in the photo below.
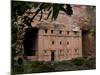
x=53, y=9
x=18, y=8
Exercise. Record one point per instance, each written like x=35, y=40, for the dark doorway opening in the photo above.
x=85, y=43
x=88, y=43
x=52, y=56
x=30, y=41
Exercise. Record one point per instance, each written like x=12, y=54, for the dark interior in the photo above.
x=30, y=41
x=85, y=42
x=52, y=55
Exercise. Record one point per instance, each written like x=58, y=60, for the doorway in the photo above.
x=30, y=41
x=52, y=55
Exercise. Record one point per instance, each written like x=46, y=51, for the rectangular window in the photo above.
x=68, y=32
x=53, y=42
x=45, y=51
x=51, y=31
x=60, y=32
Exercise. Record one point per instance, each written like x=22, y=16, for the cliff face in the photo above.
x=89, y=47
x=85, y=17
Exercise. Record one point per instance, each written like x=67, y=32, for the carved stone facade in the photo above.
x=58, y=44
x=56, y=40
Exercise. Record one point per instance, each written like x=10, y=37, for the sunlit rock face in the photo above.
x=85, y=16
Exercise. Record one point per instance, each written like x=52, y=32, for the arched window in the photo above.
x=60, y=42
x=67, y=42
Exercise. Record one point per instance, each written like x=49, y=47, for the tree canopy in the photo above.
x=19, y=8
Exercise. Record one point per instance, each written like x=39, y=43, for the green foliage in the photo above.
x=88, y=62
x=54, y=62
x=91, y=63
x=14, y=33
x=46, y=68
x=53, y=9
x=13, y=41
x=17, y=69
x=68, y=65
x=78, y=61
x=19, y=7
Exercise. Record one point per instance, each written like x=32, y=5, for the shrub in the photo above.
x=90, y=63
x=27, y=67
x=46, y=67
x=78, y=61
